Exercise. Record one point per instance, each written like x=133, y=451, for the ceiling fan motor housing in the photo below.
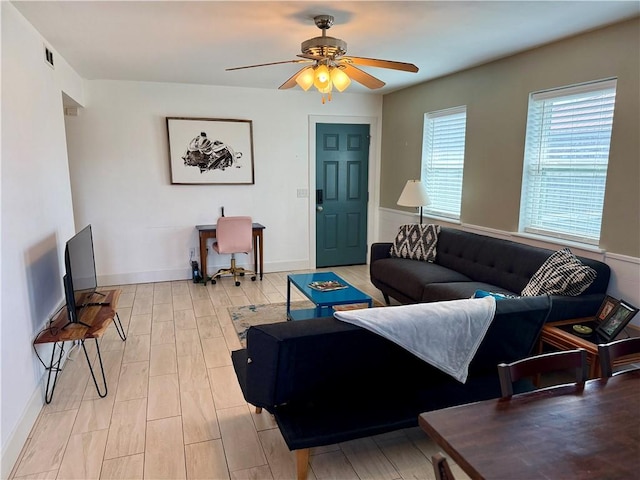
x=324, y=47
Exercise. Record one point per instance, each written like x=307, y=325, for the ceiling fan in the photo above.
x=329, y=67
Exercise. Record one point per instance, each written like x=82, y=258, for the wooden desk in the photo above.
x=97, y=318
x=570, y=431
x=553, y=335
x=209, y=231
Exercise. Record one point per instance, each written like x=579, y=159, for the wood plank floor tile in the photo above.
x=282, y=461
x=367, y=460
x=127, y=430
x=164, y=397
x=257, y=473
x=51, y=475
x=47, y=445
x=162, y=313
x=140, y=324
x=242, y=446
x=188, y=342
x=142, y=305
x=83, y=456
x=94, y=415
x=216, y=353
x=163, y=360
x=225, y=388
x=199, y=419
x=163, y=333
x=202, y=307
x=126, y=299
x=162, y=295
x=192, y=372
x=137, y=349
x=179, y=287
x=164, y=450
x=134, y=381
x=182, y=302
x=333, y=465
x=408, y=461
x=123, y=468
x=112, y=364
x=184, y=319
x=208, y=326
x=206, y=460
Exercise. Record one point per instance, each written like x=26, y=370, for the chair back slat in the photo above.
x=544, y=363
x=612, y=351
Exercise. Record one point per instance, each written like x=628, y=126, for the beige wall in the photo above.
x=496, y=96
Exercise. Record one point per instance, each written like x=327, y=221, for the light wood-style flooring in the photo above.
x=174, y=409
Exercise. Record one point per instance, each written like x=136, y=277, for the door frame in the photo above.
x=373, y=180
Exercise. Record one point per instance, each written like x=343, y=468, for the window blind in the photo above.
x=443, y=160
x=565, y=161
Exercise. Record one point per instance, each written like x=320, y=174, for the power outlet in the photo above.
x=192, y=253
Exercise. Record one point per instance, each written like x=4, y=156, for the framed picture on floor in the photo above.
x=210, y=151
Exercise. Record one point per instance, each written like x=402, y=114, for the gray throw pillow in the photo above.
x=416, y=242
x=561, y=274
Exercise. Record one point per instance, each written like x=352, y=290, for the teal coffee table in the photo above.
x=323, y=301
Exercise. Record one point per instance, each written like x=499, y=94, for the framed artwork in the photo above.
x=210, y=151
x=608, y=304
x=617, y=319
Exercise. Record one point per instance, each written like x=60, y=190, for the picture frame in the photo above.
x=617, y=319
x=210, y=151
x=608, y=304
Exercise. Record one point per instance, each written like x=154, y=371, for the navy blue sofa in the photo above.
x=326, y=381
x=466, y=262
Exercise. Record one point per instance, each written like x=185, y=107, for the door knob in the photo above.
x=319, y=208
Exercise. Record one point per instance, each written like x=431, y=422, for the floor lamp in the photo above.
x=414, y=194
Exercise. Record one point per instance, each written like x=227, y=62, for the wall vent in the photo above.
x=48, y=57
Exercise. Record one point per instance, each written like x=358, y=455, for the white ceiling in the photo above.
x=194, y=41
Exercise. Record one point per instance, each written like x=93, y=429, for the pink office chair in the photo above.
x=234, y=235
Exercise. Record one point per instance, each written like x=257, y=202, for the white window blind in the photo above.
x=565, y=161
x=443, y=160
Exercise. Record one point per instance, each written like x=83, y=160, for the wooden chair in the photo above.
x=441, y=467
x=544, y=363
x=611, y=351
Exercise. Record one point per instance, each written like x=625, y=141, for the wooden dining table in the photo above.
x=589, y=431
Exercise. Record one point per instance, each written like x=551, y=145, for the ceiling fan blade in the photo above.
x=267, y=64
x=291, y=82
x=362, y=77
x=374, y=62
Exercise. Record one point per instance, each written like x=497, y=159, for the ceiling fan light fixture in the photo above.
x=322, y=77
x=306, y=78
x=340, y=79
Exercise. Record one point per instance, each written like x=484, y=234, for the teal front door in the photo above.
x=342, y=177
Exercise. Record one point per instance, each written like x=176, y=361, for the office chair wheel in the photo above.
x=213, y=282
x=242, y=274
x=253, y=279
x=237, y=284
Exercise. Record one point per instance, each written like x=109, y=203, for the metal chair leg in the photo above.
x=104, y=379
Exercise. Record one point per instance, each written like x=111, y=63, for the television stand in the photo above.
x=93, y=323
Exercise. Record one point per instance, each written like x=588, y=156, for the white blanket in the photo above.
x=443, y=334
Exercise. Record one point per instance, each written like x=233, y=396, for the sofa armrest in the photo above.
x=380, y=250
x=582, y=306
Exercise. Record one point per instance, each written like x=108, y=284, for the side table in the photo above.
x=95, y=320
x=554, y=335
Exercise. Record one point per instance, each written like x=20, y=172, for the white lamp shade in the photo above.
x=306, y=78
x=414, y=194
x=340, y=79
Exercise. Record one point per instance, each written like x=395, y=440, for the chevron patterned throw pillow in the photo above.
x=561, y=274
x=416, y=242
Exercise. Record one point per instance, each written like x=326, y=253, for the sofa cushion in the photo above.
x=416, y=242
x=435, y=292
x=409, y=277
x=561, y=274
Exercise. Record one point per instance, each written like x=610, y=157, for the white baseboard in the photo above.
x=19, y=436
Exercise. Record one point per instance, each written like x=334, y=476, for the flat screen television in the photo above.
x=80, y=280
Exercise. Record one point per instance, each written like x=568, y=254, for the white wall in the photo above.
x=37, y=216
x=143, y=226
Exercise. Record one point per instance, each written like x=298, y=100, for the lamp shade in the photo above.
x=414, y=194
x=322, y=77
x=339, y=79
x=305, y=78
